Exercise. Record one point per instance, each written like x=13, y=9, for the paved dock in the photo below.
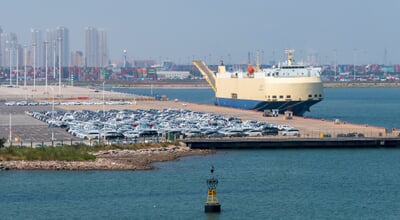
x=27, y=128
x=63, y=93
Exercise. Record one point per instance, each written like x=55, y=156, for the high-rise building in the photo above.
x=51, y=47
x=90, y=47
x=77, y=58
x=10, y=45
x=36, y=48
x=96, y=47
x=63, y=38
x=102, y=58
x=58, y=38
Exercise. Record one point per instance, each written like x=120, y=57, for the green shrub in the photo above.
x=79, y=152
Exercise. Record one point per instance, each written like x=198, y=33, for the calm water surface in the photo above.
x=259, y=184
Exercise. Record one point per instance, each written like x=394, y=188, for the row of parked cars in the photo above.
x=46, y=103
x=131, y=124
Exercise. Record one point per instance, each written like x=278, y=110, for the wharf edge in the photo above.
x=292, y=143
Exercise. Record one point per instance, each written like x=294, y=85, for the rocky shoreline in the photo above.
x=111, y=160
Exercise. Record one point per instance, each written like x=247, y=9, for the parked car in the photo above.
x=253, y=133
x=291, y=132
x=148, y=133
x=216, y=135
x=270, y=131
x=131, y=134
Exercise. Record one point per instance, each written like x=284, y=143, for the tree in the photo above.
x=2, y=141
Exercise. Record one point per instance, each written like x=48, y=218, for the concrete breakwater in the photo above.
x=293, y=143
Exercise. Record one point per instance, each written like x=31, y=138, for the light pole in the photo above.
x=59, y=66
x=25, y=67
x=103, y=97
x=10, y=51
x=34, y=66
x=16, y=80
x=54, y=59
x=52, y=115
x=10, y=133
x=104, y=116
x=45, y=46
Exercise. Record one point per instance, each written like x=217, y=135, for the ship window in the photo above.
x=288, y=96
x=315, y=95
x=320, y=95
x=309, y=96
x=281, y=96
x=234, y=95
x=274, y=96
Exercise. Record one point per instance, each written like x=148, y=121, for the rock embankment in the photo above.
x=111, y=160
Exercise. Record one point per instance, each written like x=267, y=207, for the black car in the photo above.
x=148, y=133
x=270, y=131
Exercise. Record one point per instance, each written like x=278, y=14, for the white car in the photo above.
x=131, y=134
x=291, y=132
x=253, y=133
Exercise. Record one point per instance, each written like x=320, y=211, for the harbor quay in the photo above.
x=20, y=127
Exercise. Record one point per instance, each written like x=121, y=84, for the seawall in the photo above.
x=293, y=143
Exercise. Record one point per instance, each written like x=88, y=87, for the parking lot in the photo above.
x=27, y=129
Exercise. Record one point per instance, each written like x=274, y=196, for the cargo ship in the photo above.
x=286, y=87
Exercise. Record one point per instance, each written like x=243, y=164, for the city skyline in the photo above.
x=358, y=32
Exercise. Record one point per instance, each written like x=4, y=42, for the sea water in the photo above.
x=253, y=184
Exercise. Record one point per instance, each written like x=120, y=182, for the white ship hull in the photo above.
x=286, y=88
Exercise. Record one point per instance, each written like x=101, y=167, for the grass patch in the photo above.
x=67, y=153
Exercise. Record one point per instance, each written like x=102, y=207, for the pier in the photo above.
x=313, y=132
x=292, y=143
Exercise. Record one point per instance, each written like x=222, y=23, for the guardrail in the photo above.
x=93, y=142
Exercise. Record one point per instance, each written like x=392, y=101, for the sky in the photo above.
x=328, y=31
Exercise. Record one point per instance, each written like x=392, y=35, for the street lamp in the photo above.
x=45, y=46
x=59, y=66
x=25, y=67
x=10, y=132
x=10, y=51
x=34, y=66
x=52, y=115
x=16, y=80
x=54, y=59
x=104, y=116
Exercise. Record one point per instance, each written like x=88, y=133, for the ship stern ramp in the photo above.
x=208, y=74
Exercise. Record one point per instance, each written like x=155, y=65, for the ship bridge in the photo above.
x=208, y=74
